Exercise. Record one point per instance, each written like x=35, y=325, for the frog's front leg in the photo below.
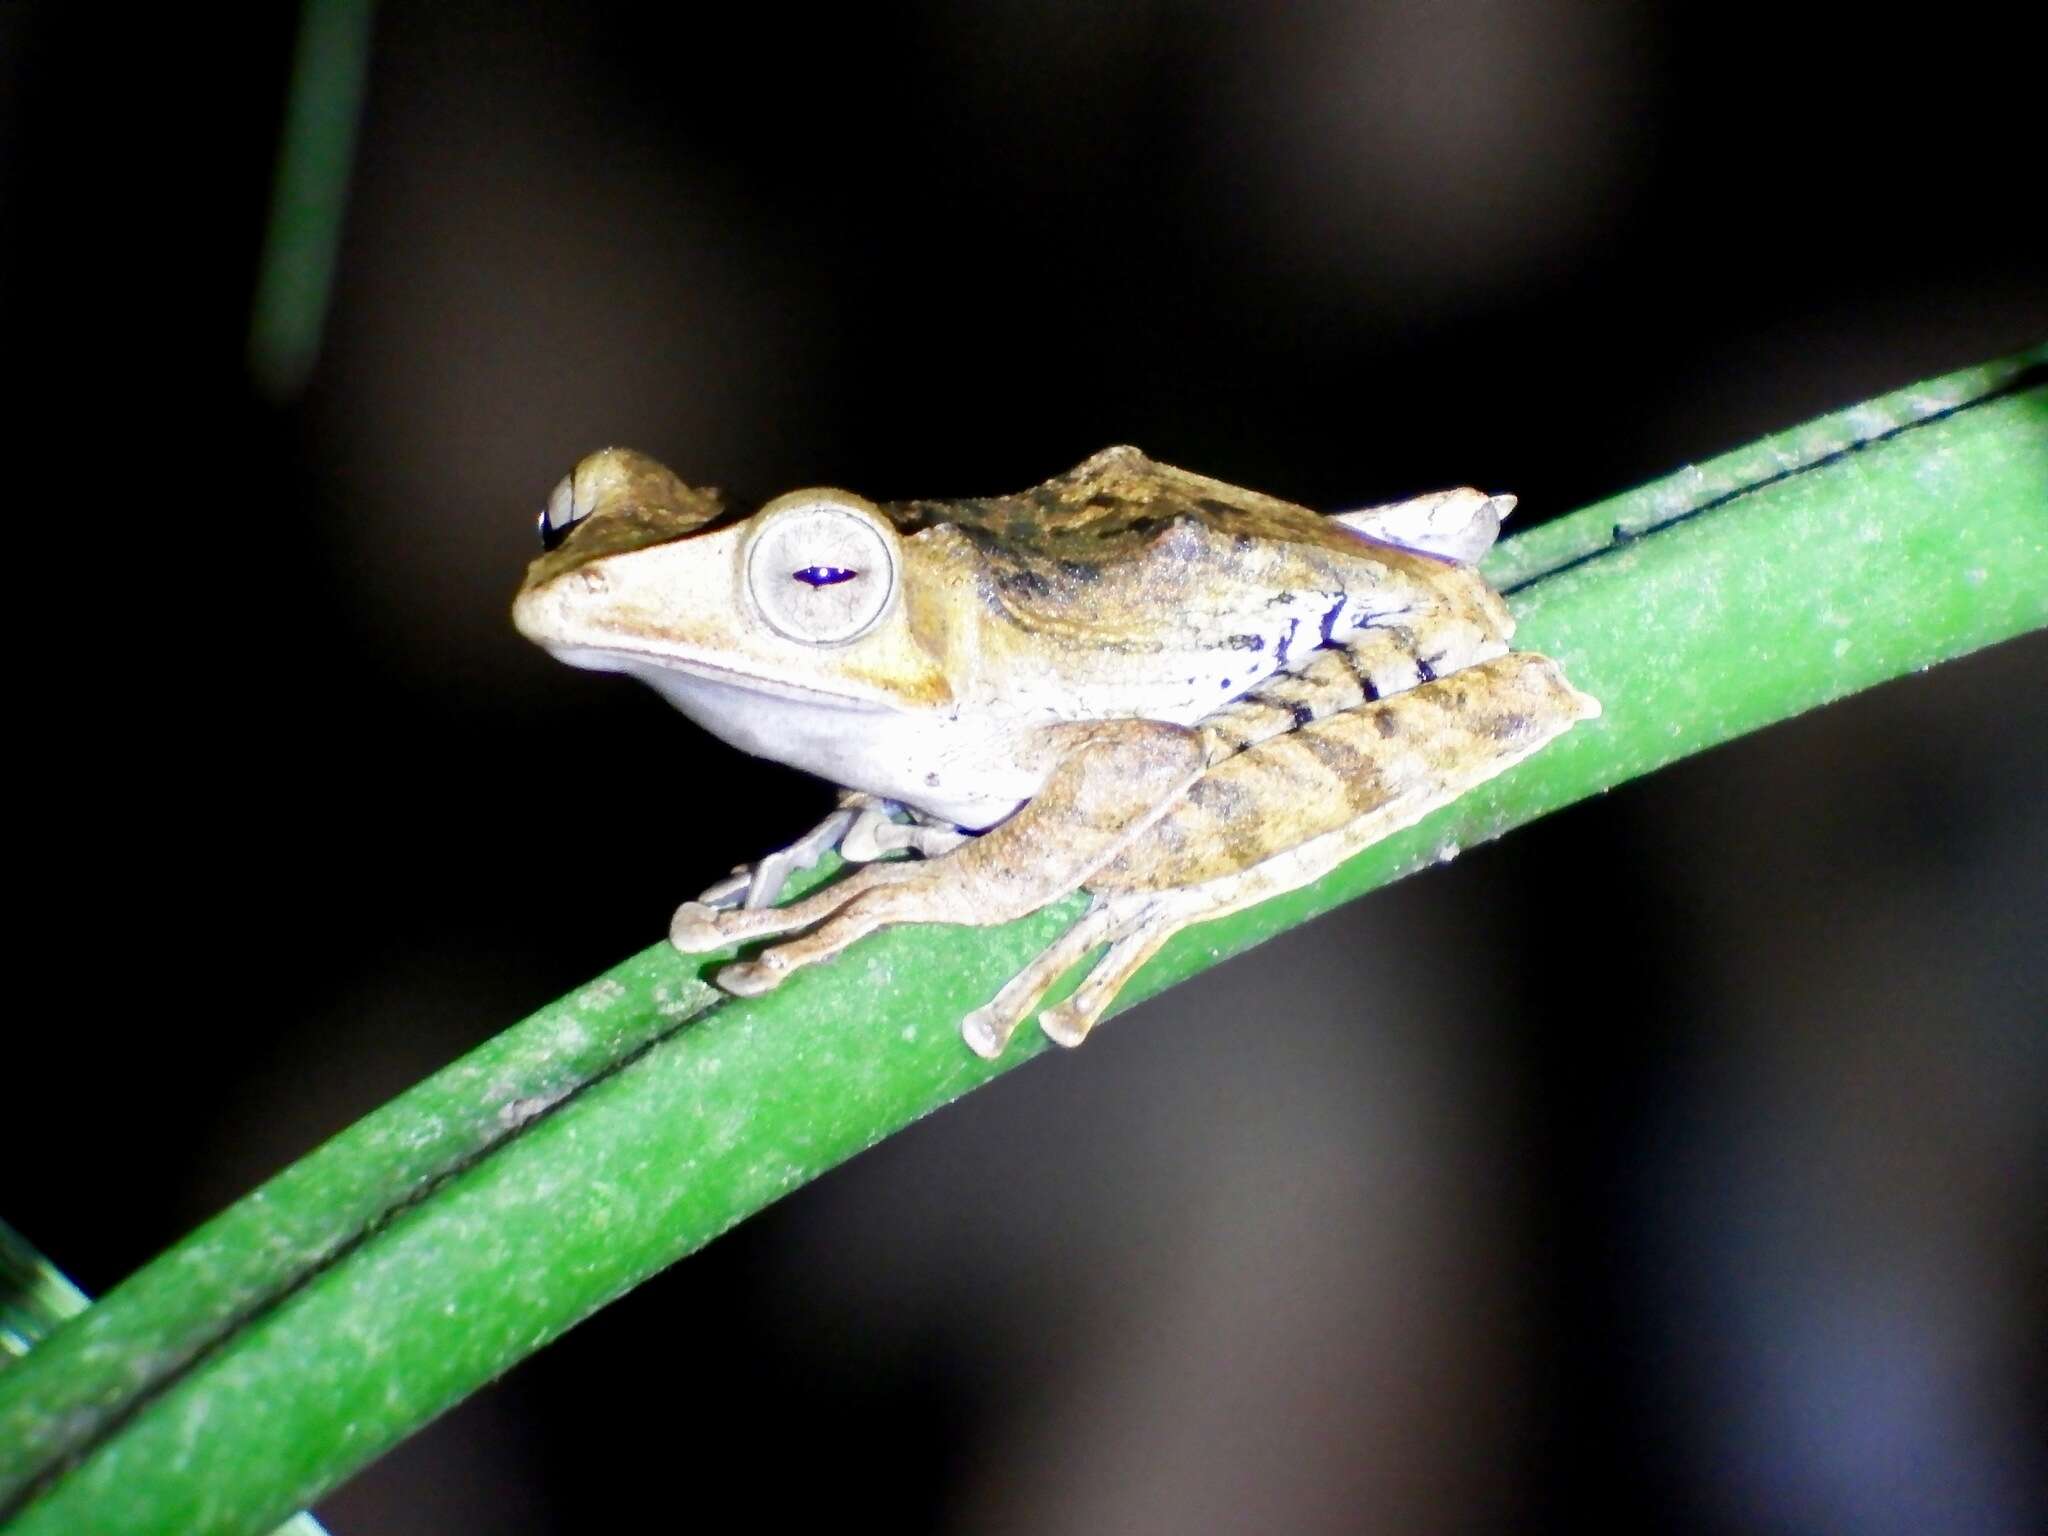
x=863, y=828
x=759, y=883
x=878, y=834
x=1116, y=779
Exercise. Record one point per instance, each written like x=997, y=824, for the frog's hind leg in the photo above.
x=1288, y=811
x=1135, y=925
x=987, y=1030
x=1367, y=772
x=1371, y=664
x=1068, y=1022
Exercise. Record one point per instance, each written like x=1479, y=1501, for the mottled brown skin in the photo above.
x=1120, y=526
x=1124, y=557
x=1431, y=742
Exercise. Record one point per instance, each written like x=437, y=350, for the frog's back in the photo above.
x=1121, y=542
x=1125, y=580
x=1110, y=512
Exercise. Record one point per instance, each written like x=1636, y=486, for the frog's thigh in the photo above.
x=1370, y=665
x=1290, y=810
x=1114, y=784
x=1368, y=771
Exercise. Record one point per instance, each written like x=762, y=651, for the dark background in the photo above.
x=1677, y=1161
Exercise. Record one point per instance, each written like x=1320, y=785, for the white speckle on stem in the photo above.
x=519, y=1111
x=600, y=995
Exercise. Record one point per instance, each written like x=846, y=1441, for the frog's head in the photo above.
x=802, y=599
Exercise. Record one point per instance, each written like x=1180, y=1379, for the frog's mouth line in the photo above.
x=654, y=667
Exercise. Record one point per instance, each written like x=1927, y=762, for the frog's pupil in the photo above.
x=824, y=575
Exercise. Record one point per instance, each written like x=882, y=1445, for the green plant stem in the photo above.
x=447, y=1236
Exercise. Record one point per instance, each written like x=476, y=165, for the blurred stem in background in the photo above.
x=295, y=273
x=448, y=1235
x=34, y=1296
x=295, y=276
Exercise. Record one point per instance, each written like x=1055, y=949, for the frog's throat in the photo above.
x=968, y=773
x=661, y=670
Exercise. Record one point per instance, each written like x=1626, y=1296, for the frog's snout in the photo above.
x=554, y=613
x=565, y=611
x=533, y=615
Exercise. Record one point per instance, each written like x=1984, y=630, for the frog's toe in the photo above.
x=987, y=1031
x=877, y=836
x=750, y=978
x=1063, y=1025
x=873, y=835
x=1068, y=1023
x=695, y=928
x=729, y=892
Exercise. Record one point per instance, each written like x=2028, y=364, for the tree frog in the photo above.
x=1176, y=695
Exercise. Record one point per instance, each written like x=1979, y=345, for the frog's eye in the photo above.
x=822, y=566
x=561, y=513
